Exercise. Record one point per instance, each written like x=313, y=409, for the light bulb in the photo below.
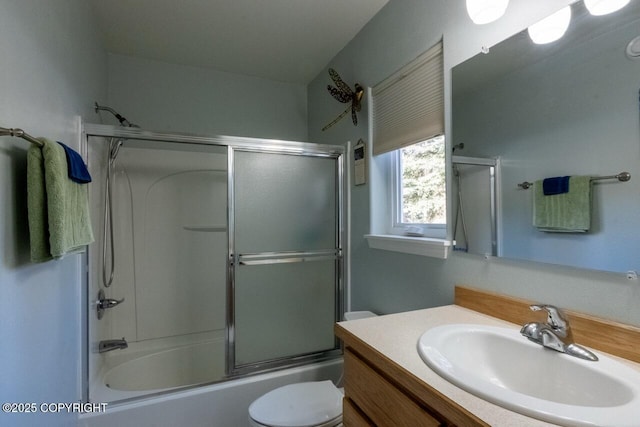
x=551, y=28
x=603, y=7
x=633, y=48
x=485, y=11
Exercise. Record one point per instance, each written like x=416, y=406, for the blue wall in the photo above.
x=53, y=68
x=388, y=282
x=176, y=98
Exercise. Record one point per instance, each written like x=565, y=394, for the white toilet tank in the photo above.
x=355, y=315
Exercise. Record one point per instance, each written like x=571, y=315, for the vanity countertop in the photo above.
x=395, y=338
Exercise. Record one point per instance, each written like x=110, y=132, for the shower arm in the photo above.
x=123, y=122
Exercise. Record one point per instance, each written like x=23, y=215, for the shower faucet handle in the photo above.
x=109, y=302
x=104, y=303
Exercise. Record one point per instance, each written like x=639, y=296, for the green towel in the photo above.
x=58, y=208
x=37, y=206
x=564, y=213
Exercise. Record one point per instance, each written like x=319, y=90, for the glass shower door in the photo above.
x=285, y=257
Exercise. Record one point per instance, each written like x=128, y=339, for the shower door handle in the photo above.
x=288, y=257
x=286, y=260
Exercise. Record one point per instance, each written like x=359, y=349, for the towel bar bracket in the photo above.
x=19, y=133
x=525, y=185
x=623, y=176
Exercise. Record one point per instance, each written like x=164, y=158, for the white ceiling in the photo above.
x=283, y=40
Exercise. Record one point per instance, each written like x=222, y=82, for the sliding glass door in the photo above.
x=285, y=246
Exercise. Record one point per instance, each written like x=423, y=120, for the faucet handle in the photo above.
x=104, y=303
x=555, y=317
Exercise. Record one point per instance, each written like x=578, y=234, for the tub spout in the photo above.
x=108, y=345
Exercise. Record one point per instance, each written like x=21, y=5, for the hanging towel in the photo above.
x=37, y=206
x=556, y=185
x=564, y=213
x=76, y=168
x=58, y=208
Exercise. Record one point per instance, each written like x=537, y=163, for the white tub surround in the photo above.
x=388, y=345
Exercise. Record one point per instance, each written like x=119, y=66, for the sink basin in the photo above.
x=501, y=366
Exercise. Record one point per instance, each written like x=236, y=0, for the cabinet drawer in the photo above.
x=352, y=417
x=380, y=400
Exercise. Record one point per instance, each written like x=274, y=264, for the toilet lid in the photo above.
x=301, y=404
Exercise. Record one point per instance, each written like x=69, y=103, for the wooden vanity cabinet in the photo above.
x=379, y=393
x=352, y=416
x=379, y=400
x=384, y=388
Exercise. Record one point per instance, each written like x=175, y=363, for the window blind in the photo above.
x=408, y=106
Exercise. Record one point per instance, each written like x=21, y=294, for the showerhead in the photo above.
x=123, y=122
x=114, y=147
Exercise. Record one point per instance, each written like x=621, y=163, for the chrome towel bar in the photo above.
x=622, y=177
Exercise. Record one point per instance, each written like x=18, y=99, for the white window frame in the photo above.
x=397, y=227
x=382, y=235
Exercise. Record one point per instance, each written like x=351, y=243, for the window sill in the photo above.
x=434, y=248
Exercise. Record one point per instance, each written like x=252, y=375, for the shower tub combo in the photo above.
x=220, y=262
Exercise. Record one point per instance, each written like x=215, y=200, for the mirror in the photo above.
x=568, y=108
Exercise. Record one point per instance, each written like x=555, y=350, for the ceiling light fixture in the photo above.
x=551, y=28
x=603, y=7
x=633, y=48
x=485, y=11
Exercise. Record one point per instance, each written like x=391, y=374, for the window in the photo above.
x=408, y=164
x=418, y=189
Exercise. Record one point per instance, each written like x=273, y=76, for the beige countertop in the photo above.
x=396, y=337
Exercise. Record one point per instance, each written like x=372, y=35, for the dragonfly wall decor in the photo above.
x=343, y=93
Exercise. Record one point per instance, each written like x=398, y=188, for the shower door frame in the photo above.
x=495, y=179
x=235, y=259
x=258, y=145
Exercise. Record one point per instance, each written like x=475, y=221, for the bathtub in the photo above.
x=176, y=367
x=157, y=366
x=223, y=404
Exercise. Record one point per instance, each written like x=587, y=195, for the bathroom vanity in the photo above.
x=375, y=397
x=388, y=384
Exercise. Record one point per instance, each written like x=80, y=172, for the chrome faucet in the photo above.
x=555, y=334
x=108, y=345
x=104, y=303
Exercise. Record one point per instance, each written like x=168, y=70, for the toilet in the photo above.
x=316, y=403
x=306, y=404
